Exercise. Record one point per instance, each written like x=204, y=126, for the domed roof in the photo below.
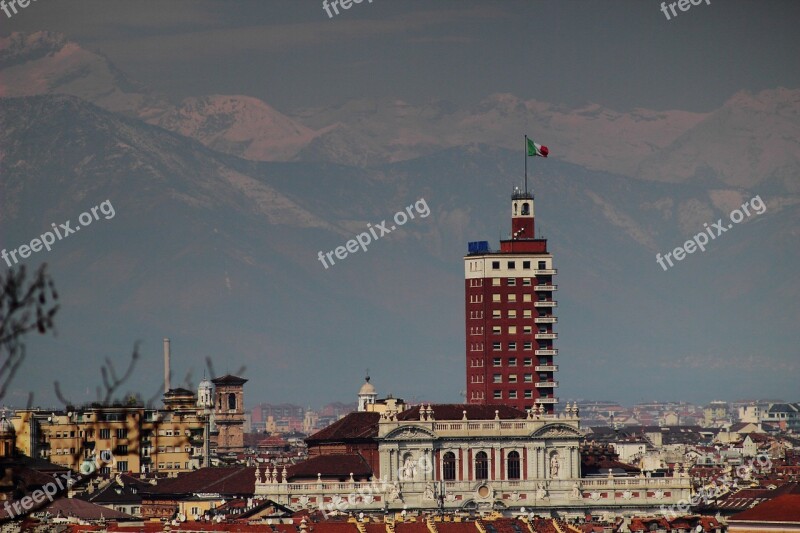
x=367, y=388
x=6, y=427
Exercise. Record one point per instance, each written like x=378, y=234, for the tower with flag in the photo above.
x=510, y=312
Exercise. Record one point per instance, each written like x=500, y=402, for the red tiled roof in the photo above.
x=455, y=411
x=456, y=527
x=73, y=507
x=784, y=508
x=222, y=480
x=353, y=426
x=227, y=379
x=333, y=465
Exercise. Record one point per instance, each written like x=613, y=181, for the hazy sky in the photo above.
x=623, y=54
x=620, y=54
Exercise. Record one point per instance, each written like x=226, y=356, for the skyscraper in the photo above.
x=510, y=316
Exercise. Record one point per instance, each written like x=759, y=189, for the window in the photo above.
x=495, y=297
x=231, y=401
x=526, y=265
x=512, y=265
x=498, y=395
x=513, y=465
x=106, y=470
x=497, y=362
x=512, y=378
x=449, y=466
x=495, y=265
x=497, y=313
x=527, y=361
x=512, y=395
x=496, y=346
x=122, y=466
x=542, y=265
x=122, y=433
x=497, y=330
x=121, y=449
x=526, y=282
x=512, y=282
x=512, y=330
x=105, y=433
x=512, y=297
x=512, y=361
x=527, y=346
x=526, y=297
x=495, y=282
x=528, y=393
x=528, y=378
x=497, y=378
x=527, y=313
x=512, y=313
x=481, y=465
x=527, y=330
x=512, y=345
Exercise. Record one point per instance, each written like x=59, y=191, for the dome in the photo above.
x=6, y=427
x=367, y=389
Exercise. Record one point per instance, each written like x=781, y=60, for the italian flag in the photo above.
x=537, y=149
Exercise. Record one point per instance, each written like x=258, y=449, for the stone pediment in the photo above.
x=411, y=433
x=554, y=431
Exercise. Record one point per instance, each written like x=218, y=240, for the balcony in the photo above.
x=545, y=336
x=545, y=320
x=545, y=287
x=545, y=303
x=546, y=368
x=546, y=384
x=554, y=351
x=545, y=272
x=547, y=400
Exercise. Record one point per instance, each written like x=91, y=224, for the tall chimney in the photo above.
x=166, y=365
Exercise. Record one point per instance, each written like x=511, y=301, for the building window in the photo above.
x=527, y=346
x=526, y=298
x=512, y=297
x=528, y=378
x=495, y=297
x=526, y=265
x=527, y=330
x=512, y=361
x=526, y=282
x=449, y=466
x=497, y=378
x=497, y=362
x=497, y=330
x=512, y=345
x=512, y=265
x=526, y=313
x=122, y=466
x=495, y=282
x=512, y=378
x=122, y=433
x=495, y=265
x=512, y=313
x=528, y=393
x=542, y=265
x=513, y=465
x=481, y=466
x=497, y=313
x=496, y=346
x=105, y=433
x=122, y=449
x=527, y=361
x=498, y=395
x=512, y=282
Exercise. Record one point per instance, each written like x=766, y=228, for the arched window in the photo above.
x=481, y=466
x=449, y=466
x=513, y=465
x=232, y=402
x=526, y=209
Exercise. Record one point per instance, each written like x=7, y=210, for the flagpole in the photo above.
x=525, y=153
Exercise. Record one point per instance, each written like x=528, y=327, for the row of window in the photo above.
x=526, y=265
x=510, y=346
x=512, y=297
x=481, y=466
x=511, y=361
x=477, y=314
